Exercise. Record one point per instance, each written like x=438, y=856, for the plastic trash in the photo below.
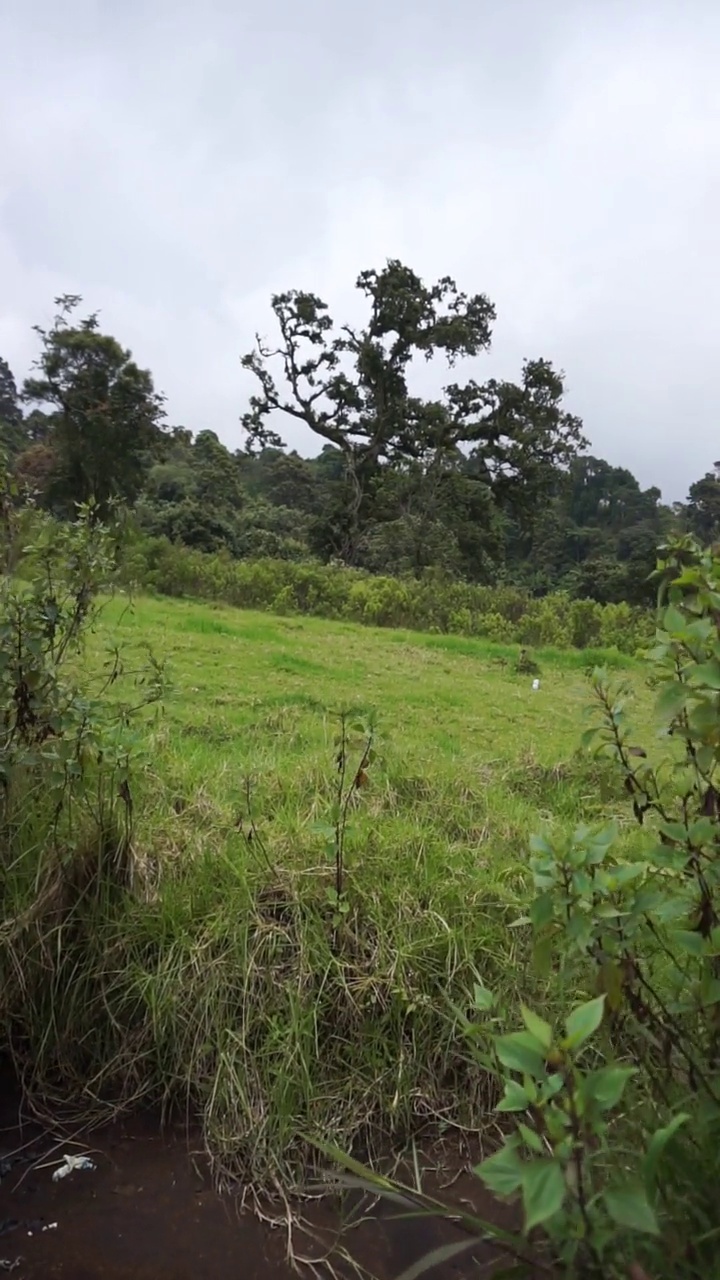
x=536, y=685
x=71, y=1163
x=8, y=1264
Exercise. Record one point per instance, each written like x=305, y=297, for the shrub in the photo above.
x=67, y=746
x=434, y=602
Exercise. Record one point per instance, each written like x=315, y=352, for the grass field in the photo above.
x=227, y=980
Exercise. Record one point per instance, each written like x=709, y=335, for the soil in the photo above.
x=147, y=1211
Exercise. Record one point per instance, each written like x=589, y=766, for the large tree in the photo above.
x=350, y=386
x=106, y=416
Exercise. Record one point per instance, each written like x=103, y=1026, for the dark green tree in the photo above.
x=283, y=479
x=596, y=537
x=106, y=414
x=193, y=494
x=12, y=436
x=434, y=514
x=702, y=511
x=351, y=388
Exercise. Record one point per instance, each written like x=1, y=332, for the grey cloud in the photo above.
x=176, y=163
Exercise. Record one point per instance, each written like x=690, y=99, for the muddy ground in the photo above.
x=147, y=1211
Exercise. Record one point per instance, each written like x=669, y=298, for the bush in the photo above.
x=435, y=602
x=67, y=748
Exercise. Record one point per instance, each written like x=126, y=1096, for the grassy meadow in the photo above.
x=228, y=980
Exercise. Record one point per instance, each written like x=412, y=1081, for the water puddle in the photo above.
x=147, y=1211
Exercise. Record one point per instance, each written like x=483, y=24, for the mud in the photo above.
x=148, y=1212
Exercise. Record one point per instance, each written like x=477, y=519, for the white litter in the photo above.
x=536, y=685
x=71, y=1163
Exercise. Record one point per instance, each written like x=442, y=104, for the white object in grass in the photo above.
x=69, y=1164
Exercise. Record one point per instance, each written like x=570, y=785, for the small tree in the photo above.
x=12, y=436
x=66, y=742
x=106, y=421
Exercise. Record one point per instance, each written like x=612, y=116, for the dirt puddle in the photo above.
x=147, y=1211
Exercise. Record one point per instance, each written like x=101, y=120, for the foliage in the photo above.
x=11, y=423
x=106, y=414
x=596, y=538
x=703, y=506
x=351, y=389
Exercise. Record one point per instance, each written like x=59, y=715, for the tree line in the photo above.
x=487, y=482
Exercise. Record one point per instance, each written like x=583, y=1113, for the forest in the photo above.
x=491, y=484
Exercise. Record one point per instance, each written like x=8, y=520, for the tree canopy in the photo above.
x=11, y=418
x=106, y=416
x=350, y=386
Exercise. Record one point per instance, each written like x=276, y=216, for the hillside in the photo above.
x=233, y=976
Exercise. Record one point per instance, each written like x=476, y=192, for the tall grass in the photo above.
x=219, y=979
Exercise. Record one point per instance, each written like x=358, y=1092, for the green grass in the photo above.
x=222, y=979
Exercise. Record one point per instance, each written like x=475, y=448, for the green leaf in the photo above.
x=520, y=1051
x=584, y=1021
x=672, y=699
x=706, y=674
x=671, y=909
x=688, y=941
x=484, y=999
x=543, y=1191
x=541, y=1030
x=323, y=829
x=435, y=1258
x=540, y=845
x=629, y=1207
x=552, y=1086
x=542, y=910
x=502, y=1172
x=625, y=874
x=515, y=1097
x=657, y=1145
x=520, y=923
x=611, y=981
x=606, y=1086
x=703, y=831
x=531, y=1137
x=676, y=831
x=673, y=620
x=602, y=840
x=542, y=956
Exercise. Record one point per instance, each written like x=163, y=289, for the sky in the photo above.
x=176, y=163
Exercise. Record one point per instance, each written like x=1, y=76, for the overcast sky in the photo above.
x=175, y=162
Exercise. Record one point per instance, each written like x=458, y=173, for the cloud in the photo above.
x=564, y=158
